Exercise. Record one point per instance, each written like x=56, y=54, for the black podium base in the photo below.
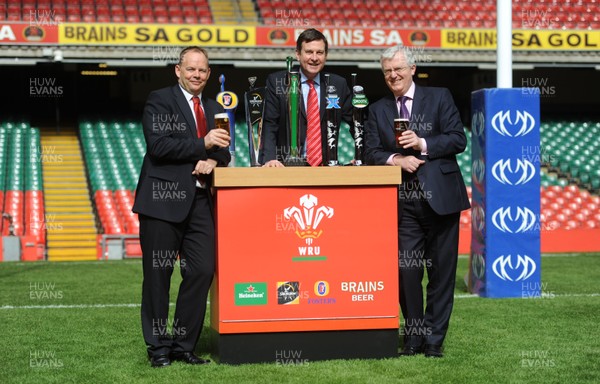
x=293, y=348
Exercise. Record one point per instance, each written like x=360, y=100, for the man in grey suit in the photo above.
x=174, y=205
x=431, y=196
x=311, y=52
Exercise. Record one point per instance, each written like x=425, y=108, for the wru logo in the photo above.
x=522, y=118
x=308, y=217
x=524, y=262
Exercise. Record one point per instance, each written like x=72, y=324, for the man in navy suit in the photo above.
x=174, y=205
x=431, y=196
x=311, y=53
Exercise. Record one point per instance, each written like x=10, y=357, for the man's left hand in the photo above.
x=204, y=167
x=409, y=139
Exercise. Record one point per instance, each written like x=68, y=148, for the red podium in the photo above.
x=307, y=264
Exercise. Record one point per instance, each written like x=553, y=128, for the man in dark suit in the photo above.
x=431, y=196
x=174, y=204
x=311, y=53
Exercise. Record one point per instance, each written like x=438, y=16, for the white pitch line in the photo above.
x=544, y=296
x=544, y=255
x=69, y=306
x=131, y=305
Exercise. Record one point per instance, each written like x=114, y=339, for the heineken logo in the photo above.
x=250, y=294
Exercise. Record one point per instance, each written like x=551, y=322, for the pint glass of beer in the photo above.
x=400, y=125
x=222, y=121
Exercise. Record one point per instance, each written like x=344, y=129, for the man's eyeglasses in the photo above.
x=398, y=71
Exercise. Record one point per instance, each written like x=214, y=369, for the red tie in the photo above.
x=313, y=129
x=200, y=119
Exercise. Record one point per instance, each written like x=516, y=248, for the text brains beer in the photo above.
x=400, y=125
x=222, y=121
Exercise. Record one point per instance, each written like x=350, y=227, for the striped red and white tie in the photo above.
x=313, y=128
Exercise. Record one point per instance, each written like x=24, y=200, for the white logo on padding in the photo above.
x=502, y=171
x=478, y=123
x=478, y=171
x=504, y=220
x=503, y=267
x=524, y=122
x=477, y=217
x=478, y=265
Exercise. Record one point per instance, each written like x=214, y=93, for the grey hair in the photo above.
x=390, y=52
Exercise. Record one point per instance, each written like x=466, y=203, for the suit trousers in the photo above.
x=162, y=242
x=426, y=241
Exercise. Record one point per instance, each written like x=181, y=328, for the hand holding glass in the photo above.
x=400, y=125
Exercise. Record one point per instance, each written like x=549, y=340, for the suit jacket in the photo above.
x=435, y=118
x=274, y=140
x=166, y=187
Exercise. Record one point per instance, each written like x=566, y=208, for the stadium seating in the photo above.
x=572, y=150
x=20, y=181
x=34, y=196
x=113, y=153
x=115, y=11
x=21, y=195
x=527, y=14
x=569, y=207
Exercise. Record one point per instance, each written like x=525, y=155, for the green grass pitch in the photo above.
x=79, y=323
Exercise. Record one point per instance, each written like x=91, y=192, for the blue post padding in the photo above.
x=506, y=151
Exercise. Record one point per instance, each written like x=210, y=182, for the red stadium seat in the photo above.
x=190, y=19
x=206, y=20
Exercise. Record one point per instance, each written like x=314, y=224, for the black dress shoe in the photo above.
x=410, y=350
x=432, y=350
x=160, y=361
x=188, y=358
